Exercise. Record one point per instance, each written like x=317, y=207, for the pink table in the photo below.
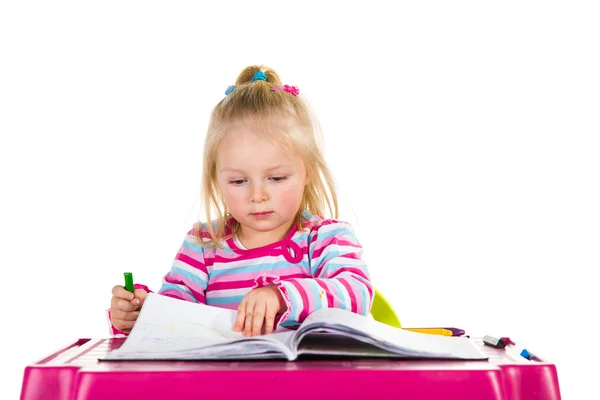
x=74, y=373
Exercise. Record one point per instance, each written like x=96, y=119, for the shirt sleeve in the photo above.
x=187, y=279
x=340, y=276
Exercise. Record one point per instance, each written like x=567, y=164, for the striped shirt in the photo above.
x=319, y=266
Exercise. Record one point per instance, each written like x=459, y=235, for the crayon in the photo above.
x=438, y=331
x=128, y=281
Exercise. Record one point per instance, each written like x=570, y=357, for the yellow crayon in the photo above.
x=431, y=331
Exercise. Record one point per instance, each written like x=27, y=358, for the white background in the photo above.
x=463, y=135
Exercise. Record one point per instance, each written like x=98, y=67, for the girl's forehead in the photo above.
x=248, y=147
x=262, y=126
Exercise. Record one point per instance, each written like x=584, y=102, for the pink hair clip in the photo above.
x=288, y=89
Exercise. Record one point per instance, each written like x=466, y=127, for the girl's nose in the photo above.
x=259, y=194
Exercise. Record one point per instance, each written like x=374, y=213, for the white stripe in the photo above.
x=255, y=261
x=214, y=294
x=194, y=239
x=322, y=298
x=332, y=266
x=190, y=269
x=345, y=296
x=334, y=227
x=342, y=249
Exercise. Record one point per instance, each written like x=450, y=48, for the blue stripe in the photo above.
x=340, y=290
x=225, y=300
x=296, y=308
x=332, y=266
x=193, y=246
x=342, y=228
x=301, y=237
x=289, y=322
x=179, y=288
x=262, y=267
x=226, y=250
x=189, y=276
x=364, y=293
x=315, y=289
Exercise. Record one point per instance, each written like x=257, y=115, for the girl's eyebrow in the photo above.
x=280, y=166
x=228, y=169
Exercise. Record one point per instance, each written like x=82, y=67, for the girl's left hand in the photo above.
x=258, y=307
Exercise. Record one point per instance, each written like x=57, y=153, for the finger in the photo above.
x=140, y=296
x=241, y=315
x=258, y=318
x=122, y=293
x=270, y=313
x=123, y=325
x=125, y=316
x=249, y=317
x=122, y=305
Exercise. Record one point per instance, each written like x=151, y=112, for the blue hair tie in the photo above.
x=259, y=76
x=229, y=90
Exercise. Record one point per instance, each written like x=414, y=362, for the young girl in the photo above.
x=270, y=253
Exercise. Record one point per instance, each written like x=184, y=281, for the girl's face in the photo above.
x=261, y=182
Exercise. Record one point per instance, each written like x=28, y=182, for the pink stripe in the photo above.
x=218, y=284
x=329, y=222
x=191, y=253
x=198, y=232
x=353, y=301
x=208, y=260
x=254, y=254
x=340, y=242
x=366, y=283
x=370, y=290
x=305, y=301
x=281, y=272
x=354, y=256
x=324, y=263
x=180, y=296
x=226, y=306
x=337, y=301
x=221, y=257
x=228, y=285
x=352, y=270
x=324, y=286
x=226, y=293
x=294, y=276
x=140, y=286
x=196, y=289
x=191, y=261
x=315, y=228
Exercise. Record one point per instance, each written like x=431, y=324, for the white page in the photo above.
x=171, y=327
x=168, y=324
x=413, y=343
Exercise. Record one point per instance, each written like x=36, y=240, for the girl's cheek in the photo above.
x=292, y=195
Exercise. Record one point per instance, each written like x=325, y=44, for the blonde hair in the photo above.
x=254, y=99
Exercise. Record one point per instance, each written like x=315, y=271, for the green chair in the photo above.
x=382, y=311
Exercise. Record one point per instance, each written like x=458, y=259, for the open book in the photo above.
x=171, y=329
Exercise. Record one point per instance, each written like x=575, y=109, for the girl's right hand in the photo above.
x=125, y=307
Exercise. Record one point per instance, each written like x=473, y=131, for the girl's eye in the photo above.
x=237, y=182
x=278, y=178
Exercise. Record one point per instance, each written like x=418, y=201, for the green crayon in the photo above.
x=128, y=281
